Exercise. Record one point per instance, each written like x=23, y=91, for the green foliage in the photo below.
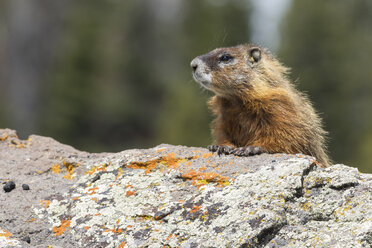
x=122, y=77
x=73, y=87
x=326, y=43
x=3, y=110
x=208, y=26
x=185, y=119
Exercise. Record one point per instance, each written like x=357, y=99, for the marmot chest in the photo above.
x=237, y=126
x=243, y=126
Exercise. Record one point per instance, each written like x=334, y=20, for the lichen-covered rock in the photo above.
x=175, y=196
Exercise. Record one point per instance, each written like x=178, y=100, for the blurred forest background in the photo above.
x=111, y=75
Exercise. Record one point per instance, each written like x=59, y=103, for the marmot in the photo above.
x=257, y=108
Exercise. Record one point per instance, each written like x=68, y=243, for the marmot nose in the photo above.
x=194, y=64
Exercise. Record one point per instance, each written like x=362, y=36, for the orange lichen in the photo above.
x=207, y=176
x=114, y=230
x=86, y=227
x=92, y=191
x=94, y=199
x=149, y=165
x=17, y=143
x=170, y=236
x=97, y=168
x=160, y=150
x=30, y=220
x=207, y=155
x=20, y=145
x=122, y=244
x=75, y=198
x=97, y=214
x=68, y=176
x=194, y=209
x=117, y=222
x=56, y=168
x=170, y=160
x=4, y=233
x=128, y=186
x=316, y=163
x=46, y=203
x=70, y=166
x=62, y=228
x=129, y=193
x=4, y=137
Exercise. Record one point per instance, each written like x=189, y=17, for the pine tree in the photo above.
x=327, y=44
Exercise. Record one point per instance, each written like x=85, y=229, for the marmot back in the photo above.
x=257, y=108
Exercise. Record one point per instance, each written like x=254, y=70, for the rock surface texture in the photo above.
x=176, y=196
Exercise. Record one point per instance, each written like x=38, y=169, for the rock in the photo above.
x=178, y=196
x=27, y=239
x=9, y=186
x=25, y=187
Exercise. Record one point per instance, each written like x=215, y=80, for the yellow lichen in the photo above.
x=119, y=174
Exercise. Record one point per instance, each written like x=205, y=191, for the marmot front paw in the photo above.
x=221, y=149
x=240, y=151
x=248, y=151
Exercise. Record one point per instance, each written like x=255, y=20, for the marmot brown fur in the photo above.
x=257, y=108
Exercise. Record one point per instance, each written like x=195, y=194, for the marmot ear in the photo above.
x=254, y=54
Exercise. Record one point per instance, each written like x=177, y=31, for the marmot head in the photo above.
x=234, y=70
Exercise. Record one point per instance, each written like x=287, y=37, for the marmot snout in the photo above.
x=257, y=108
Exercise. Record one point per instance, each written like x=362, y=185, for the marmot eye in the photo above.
x=225, y=58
